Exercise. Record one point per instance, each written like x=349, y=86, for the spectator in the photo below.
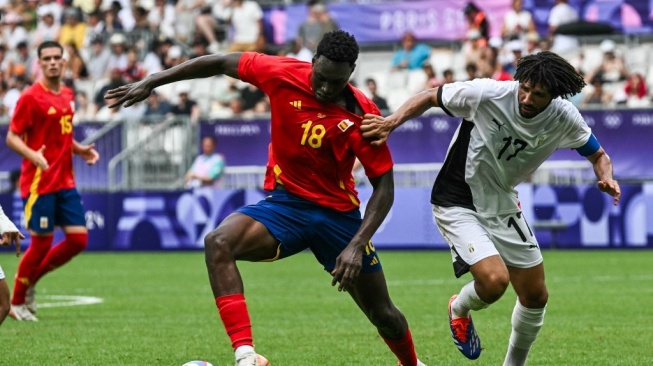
x=20, y=61
x=474, y=48
x=431, y=78
x=153, y=61
x=251, y=96
x=636, y=91
x=612, y=67
x=187, y=11
x=47, y=29
x=75, y=67
x=598, y=95
x=115, y=81
x=157, y=106
x=162, y=17
x=199, y=48
x=174, y=57
x=412, y=55
x=472, y=71
x=315, y=26
x=55, y=8
x=134, y=71
x=73, y=30
x=98, y=60
x=186, y=106
x=94, y=27
x=516, y=47
x=13, y=32
x=561, y=14
x=106, y=114
x=477, y=20
x=83, y=109
x=517, y=22
x=118, y=57
x=380, y=102
x=208, y=168
x=246, y=20
x=296, y=49
x=4, y=88
x=11, y=97
x=210, y=24
x=532, y=43
x=448, y=76
x=111, y=22
x=30, y=16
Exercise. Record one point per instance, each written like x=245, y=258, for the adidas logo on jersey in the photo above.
x=297, y=104
x=52, y=111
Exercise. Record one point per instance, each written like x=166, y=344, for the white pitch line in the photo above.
x=66, y=300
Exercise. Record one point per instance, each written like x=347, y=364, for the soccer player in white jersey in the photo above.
x=9, y=235
x=508, y=129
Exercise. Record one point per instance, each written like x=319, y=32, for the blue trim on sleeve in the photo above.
x=591, y=146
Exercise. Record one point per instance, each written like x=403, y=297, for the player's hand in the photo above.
x=39, y=159
x=88, y=153
x=348, y=267
x=12, y=237
x=611, y=187
x=129, y=94
x=375, y=128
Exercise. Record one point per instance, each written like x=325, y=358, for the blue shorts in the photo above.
x=61, y=208
x=299, y=224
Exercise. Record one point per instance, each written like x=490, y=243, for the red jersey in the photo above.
x=314, y=145
x=44, y=117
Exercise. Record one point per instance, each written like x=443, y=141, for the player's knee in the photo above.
x=384, y=316
x=215, y=245
x=492, y=286
x=535, y=299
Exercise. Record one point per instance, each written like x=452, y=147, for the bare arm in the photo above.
x=378, y=128
x=200, y=67
x=603, y=170
x=16, y=143
x=350, y=261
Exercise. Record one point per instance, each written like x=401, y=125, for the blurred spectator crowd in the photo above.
x=611, y=80
x=109, y=43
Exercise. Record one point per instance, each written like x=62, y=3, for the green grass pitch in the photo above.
x=158, y=310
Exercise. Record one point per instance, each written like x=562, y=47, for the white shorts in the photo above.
x=2, y=274
x=473, y=237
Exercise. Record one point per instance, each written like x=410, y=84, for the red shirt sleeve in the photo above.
x=375, y=160
x=22, y=118
x=265, y=72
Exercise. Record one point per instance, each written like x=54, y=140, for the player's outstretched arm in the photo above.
x=350, y=261
x=603, y=170
x=200, y=67
x=377, y=128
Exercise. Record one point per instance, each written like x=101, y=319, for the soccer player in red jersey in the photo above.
x=41, y=131
x=313, y=204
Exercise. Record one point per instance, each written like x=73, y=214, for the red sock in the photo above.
x=404, y=349
x=234, y=315
x=29, y=265
x=61, y=253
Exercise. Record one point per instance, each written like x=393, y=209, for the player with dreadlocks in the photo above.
x=315, y=127
x=508, y=129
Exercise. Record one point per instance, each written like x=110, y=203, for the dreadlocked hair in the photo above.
x=552, y=72
x=338, y=46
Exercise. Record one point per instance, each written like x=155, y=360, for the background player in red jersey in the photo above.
x=313, y=204
x=41, y=131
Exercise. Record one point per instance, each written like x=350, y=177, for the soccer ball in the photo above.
x=197, y=363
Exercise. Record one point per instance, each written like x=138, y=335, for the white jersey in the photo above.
x=495, y=148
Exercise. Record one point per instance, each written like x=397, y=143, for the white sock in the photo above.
x=467, y=300
x=243, y=350
x=526, y=323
